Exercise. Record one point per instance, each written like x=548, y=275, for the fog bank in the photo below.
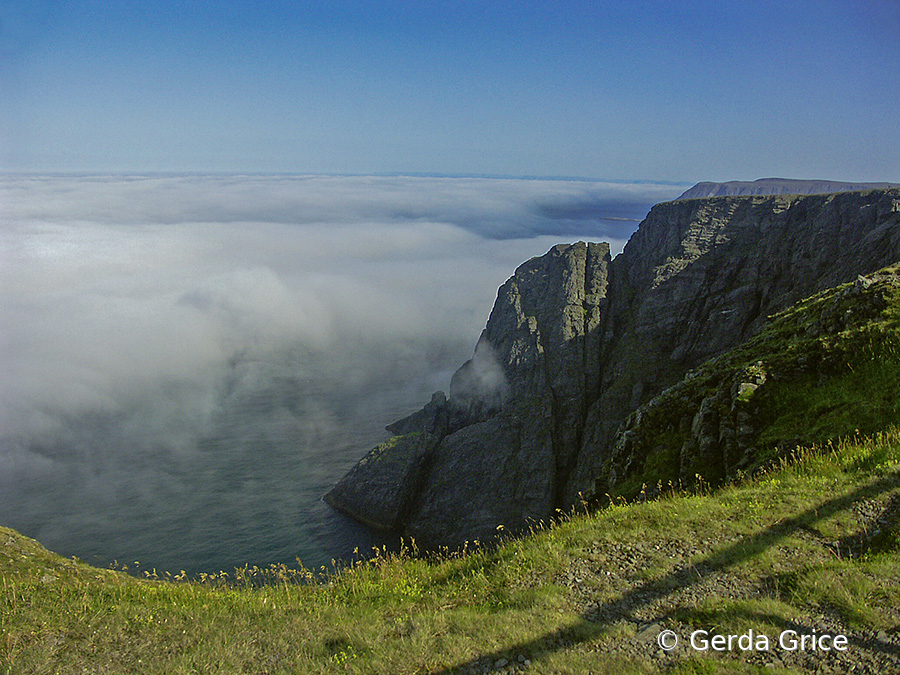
x=190, y=362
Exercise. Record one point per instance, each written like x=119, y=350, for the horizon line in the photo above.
x=382, y=174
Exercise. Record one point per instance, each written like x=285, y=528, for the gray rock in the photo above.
x=490, y=477
x=378, y=491
x=701, y=276
x=432, y=419
x=506, y=439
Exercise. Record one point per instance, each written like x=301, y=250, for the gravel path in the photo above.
x=611, y=594
x=645, y=611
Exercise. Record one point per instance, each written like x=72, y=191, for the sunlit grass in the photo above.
x=403, y=612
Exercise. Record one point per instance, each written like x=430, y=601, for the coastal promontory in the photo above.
x=577, y=342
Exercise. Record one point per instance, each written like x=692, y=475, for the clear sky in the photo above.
x=656, y=90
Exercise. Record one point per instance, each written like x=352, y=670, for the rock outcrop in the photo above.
x=498, y=451
x=576, y=342
x=701, y=276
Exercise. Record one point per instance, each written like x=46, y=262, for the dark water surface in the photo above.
x=247, y=491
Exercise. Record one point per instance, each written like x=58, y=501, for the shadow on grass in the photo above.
x=872, y=645
x=681, y=577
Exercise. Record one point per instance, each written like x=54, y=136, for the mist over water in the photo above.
x=189, y=362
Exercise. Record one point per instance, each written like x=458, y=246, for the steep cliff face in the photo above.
x=826, y=366
x=575, y=343
x=499, y=450
x=701, y=276
x=517, y=409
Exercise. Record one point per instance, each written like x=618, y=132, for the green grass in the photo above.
x=825, y=368
x=864, y=398
x=407, y=613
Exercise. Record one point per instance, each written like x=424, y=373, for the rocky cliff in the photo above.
x=499, y=450
x=576, y=342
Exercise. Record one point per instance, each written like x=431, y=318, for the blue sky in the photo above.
x=648, y=90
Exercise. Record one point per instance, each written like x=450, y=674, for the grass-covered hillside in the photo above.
x=812, y=546
x=823, y=368
x=805, y=540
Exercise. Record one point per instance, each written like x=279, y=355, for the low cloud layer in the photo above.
x=194, y=360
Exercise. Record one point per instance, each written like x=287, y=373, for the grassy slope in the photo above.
x=565, y=597
x=830, y=365
x=813, y=542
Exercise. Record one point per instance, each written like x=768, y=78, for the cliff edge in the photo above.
x=577, y=342
x=777, y=186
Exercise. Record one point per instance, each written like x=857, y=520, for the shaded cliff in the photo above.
x=576, y=342
x=499, y=450
x=701, y=276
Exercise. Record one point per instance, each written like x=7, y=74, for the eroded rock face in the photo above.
x=575, y=343
x=709, y=424
x=507, y=437
x=701, y=276
x=499, y=472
